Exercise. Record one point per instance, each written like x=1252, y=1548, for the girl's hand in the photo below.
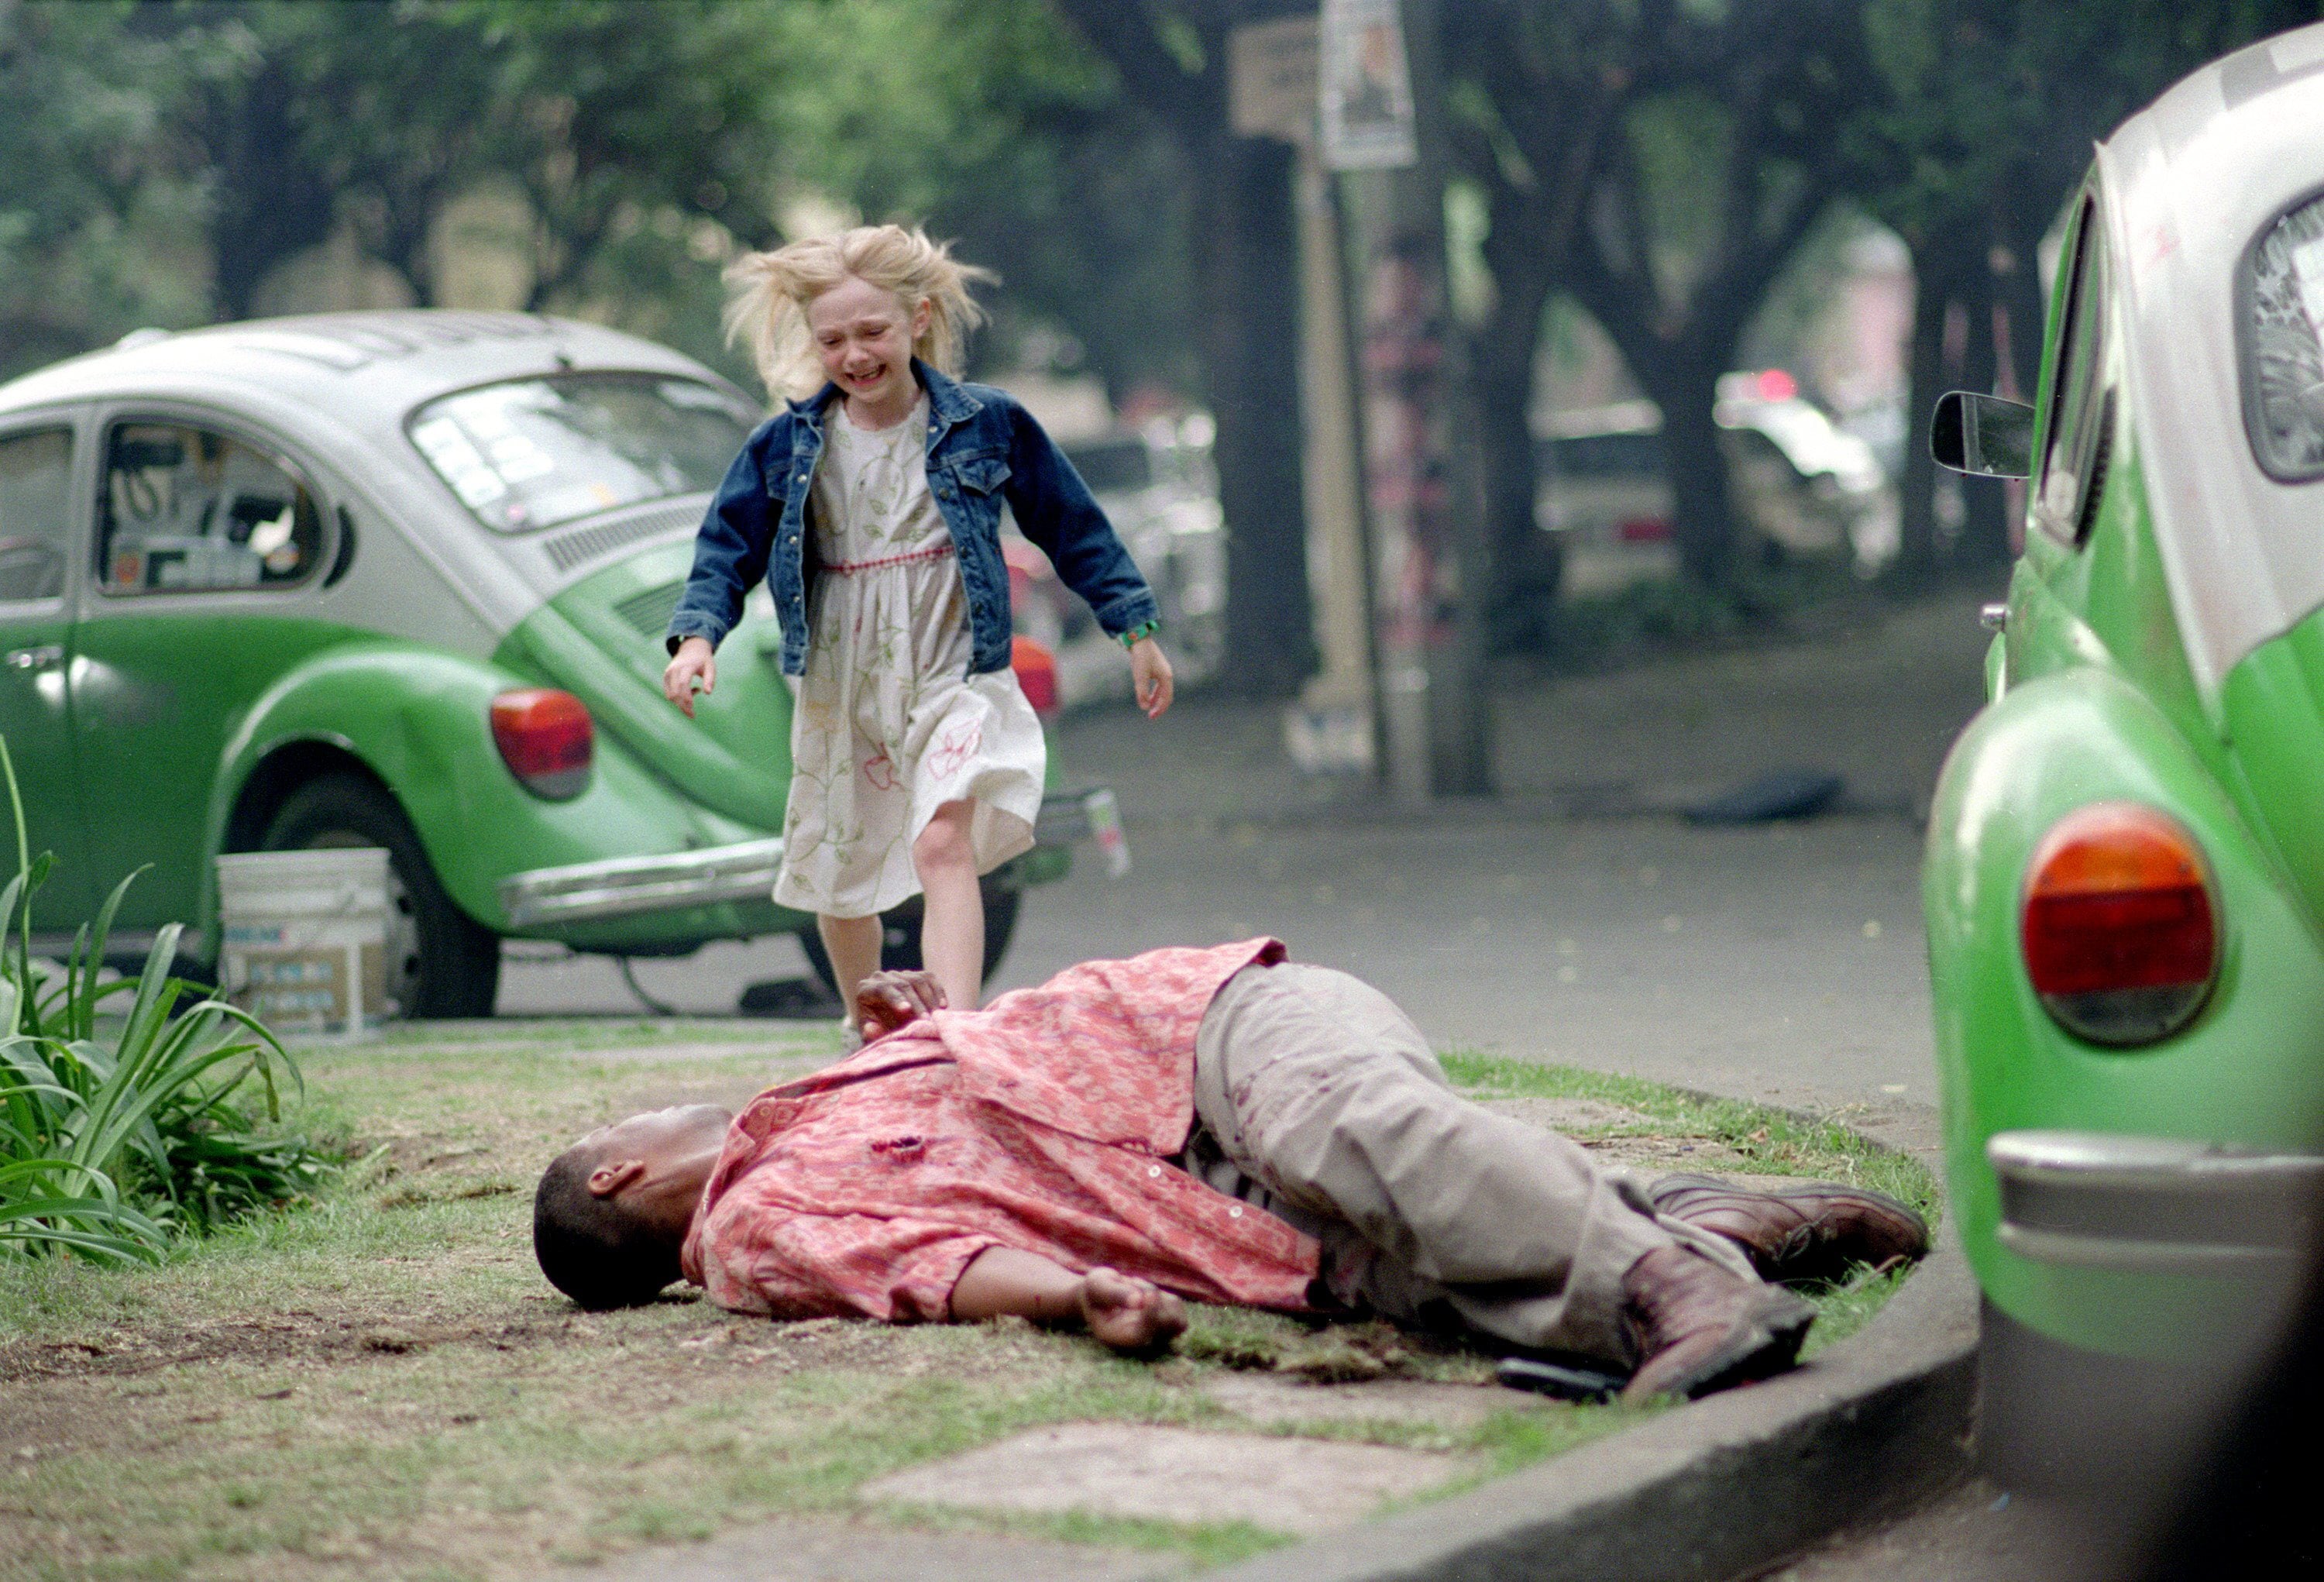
x=696, y=660
x=1149, y=673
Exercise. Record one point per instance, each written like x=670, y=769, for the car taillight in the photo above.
x=2121, y=937
x=1036, y=671
x=1644, y=530
x=545, y=739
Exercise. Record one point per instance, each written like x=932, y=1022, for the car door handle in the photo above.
x=38, y=658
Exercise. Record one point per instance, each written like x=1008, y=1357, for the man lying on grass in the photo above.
x=1220, y=1124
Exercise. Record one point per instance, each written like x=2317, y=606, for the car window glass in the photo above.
x=35, y=500
x=2067, y=450
x=186, y=509
x=535, y=452
x=1611, y=455
x=2282, y=344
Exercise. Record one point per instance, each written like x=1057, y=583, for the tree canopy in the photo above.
x=1656, y=161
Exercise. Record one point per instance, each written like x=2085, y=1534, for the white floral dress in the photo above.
x=888, y=724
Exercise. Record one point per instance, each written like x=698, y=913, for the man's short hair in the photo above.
x=591, y=1248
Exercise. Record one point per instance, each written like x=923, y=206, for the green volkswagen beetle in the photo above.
x=395, y=579
x=2124, y=877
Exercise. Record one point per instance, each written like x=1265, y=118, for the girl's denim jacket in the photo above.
x=982, y=449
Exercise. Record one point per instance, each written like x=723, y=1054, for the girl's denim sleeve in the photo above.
x=1057, y=511
x=730, y=554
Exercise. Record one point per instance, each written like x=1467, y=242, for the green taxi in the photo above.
x=395, y=579
x=2124, y=873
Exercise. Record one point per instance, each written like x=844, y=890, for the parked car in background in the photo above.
x=2124, y=877
x=1804, y=486
x=1157, y=485
x=394, y=579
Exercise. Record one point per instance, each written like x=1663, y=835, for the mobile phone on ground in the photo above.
x=1586, y=1385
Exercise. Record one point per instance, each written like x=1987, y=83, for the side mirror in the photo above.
x=1982, y=435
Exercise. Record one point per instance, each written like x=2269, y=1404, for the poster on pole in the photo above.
x=1366, y=86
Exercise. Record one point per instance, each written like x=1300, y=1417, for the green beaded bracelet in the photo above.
x=1130, y=639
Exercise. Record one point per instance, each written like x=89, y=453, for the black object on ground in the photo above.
x=1520, y=1373
x=789, y=999
x=1787, y=793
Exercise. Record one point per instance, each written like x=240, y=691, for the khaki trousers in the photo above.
x=1317, y=1099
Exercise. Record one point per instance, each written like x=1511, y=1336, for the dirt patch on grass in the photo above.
x=296, y=1336
x=1621, y=1136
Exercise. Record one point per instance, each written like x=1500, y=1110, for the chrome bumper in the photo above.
x=745, y=871
x=625, y=886
x=2154, y=1205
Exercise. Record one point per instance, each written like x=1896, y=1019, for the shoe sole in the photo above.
x=1780, y=1189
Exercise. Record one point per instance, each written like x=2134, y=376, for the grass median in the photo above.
x=380, y=1384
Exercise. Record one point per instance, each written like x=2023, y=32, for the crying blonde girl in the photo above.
x=870, y=504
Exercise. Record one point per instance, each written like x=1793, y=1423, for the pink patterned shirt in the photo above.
x=1045, y=1122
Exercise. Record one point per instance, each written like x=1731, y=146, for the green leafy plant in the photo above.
x=118, y=1132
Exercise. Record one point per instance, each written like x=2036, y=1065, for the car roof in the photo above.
x=367, y=370
x=2186, y=186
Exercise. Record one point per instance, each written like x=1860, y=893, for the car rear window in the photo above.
x=1632, y=454
x=535, y=452
x=2283, y=344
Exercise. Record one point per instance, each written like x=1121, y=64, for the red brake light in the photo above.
x=2119, y=932
x=545, y=739
x=1644, y=530
x=1037, y=672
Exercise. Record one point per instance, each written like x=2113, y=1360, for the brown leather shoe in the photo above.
x=1698, y=1326
x=1797, y=1230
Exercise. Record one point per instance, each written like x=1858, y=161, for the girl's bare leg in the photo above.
x=951, y=931
x=853, y=943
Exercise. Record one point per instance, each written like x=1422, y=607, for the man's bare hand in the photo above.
x=1129, y=1314
x=887, y=1001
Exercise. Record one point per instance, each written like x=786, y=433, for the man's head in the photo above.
x=613, y=1210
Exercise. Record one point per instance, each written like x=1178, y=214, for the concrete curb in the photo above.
x=1726, y=1485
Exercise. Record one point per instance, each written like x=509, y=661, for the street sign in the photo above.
x=1365, y=87
x=1271, y=79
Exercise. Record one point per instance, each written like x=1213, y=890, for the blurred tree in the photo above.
x=268, y=200
x=1658, y=160
x=100, y=201
x=1171, y=56
x=611, y=116
x=1535, y=94
x=387, y=111
x=998, y=127
x=1722, y=163
x=1975, y=126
